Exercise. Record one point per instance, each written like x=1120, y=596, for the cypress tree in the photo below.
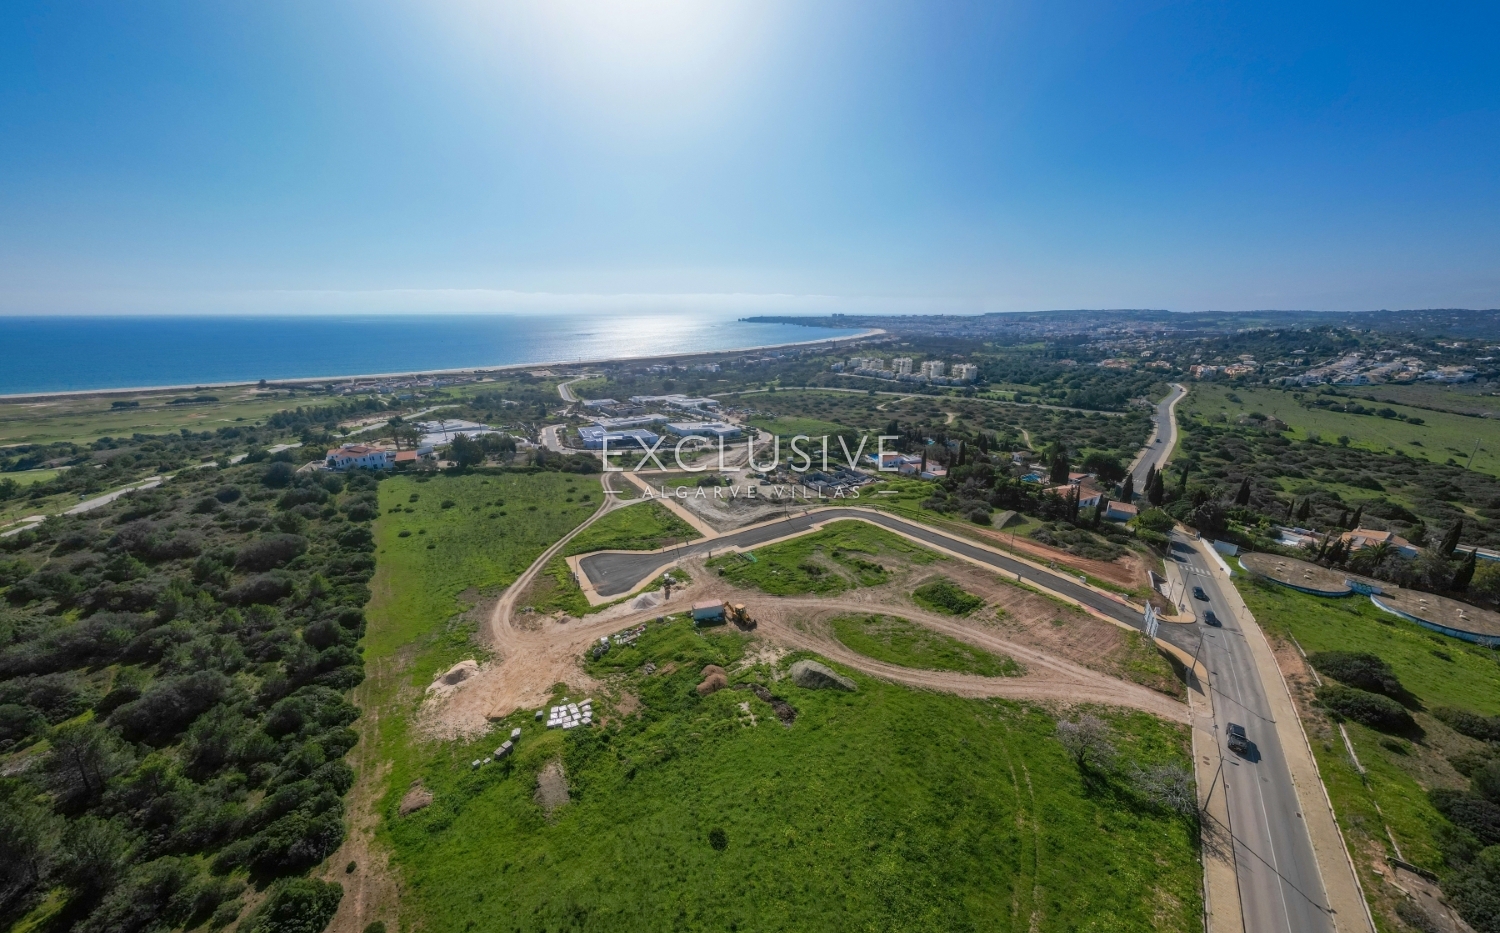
x=1450, y=540
x=1344, y=519
x=1304, y=510
x=1127, y=491
x=1242, y=497
x=1157, y=493
x=1059, y=469
x=1150, y=479
x=1073, y=506
x=1465, y=573
x=1358, y=514
x=1100, y=509
x=1182, y=483
x=1289, y=507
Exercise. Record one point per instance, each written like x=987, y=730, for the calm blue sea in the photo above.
x=70, y=353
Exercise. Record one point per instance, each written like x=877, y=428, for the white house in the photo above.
x=360, y=456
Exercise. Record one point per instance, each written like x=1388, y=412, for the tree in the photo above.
x=1359, y=514
x=1100, y=509
x=1088, y=741
x=1475, y=890
x=1450, y=540
x=1157, y=492
x=1058, y=470
x=466, y=452
x=1304, y=510
x=84, y=756
x=1169, y=787
x=1209, y=517
x=1127, y=491
x=1242, y=498
x=1344, y=519
x=1486, y=582
x=1464, y=574
x=1182, y=481
x=93, y=855
x=298, y=905
x=1107, y=468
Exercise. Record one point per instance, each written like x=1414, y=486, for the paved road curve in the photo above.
x=1159, y=446
x=1281, y=889
x=615, y=573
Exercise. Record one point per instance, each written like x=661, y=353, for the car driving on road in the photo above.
x=1199, y=594
x=1210, y=619
x=1239, y=743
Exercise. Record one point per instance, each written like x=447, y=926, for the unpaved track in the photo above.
x=1047, y=677
x=533, y=653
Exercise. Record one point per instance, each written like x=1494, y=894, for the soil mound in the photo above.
x=782, y=708
x=810, y=675
x=415, y=799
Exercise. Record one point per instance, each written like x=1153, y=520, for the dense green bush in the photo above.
x=1471, y=724
x=942, y=595
x=1469, y=812
x=301, y=905
x=212, y=647
x=1370, y=709
x=1359, y=669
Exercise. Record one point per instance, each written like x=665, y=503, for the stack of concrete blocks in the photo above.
x=571, y=715
x=508, y=745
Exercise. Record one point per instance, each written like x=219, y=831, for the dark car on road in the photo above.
x=1199, y=594
x=1210, y=619
x=1239, y=743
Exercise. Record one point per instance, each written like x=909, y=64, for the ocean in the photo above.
x=58, y=354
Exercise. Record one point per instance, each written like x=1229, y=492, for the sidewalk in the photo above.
x=1350, y=911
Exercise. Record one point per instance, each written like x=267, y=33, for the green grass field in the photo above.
x=1471, y=679
x=883, y=809
x=1399, y=772
x=643, y=527
x=85, y=419
x=843, y=556
x=901, y=641
x=496, y=526
x=1441, y=436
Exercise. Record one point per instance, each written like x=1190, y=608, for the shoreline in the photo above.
x=466, y=370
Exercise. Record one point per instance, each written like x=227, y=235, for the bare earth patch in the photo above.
x=551, y=786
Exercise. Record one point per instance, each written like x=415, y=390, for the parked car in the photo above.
x=1210, y=619
x=1199, y=594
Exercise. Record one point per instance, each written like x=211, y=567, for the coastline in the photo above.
x=467, y=371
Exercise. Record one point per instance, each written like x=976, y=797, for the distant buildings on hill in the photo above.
x=900, y=370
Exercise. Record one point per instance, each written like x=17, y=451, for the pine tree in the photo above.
x=1465, y=573
x=1450, y=540
x=1242, y=498
x=1127, y=491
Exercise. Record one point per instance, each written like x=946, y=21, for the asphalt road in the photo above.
x=1156, y=452
x=616, y=573
x=1281, y=890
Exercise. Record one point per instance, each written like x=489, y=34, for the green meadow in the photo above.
x=645, y=526
x=882, y=809
x=1441, y=435
x=1437, y=670
x=845, y=555
x=900, y=641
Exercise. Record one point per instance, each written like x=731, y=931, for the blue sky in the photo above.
x=388, y=155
